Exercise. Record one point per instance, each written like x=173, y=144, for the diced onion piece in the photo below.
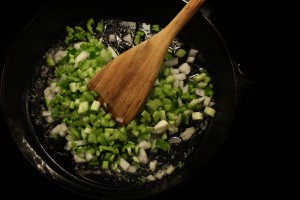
x=199, y=92
x=190, y=59
x=120, y=119
x=173, y=129
x=160, y=127
x=112, y=38
x=59, y=55
x=181, y=84
x=176, y=84
x=77, y=45
x=174, y=71
x=179, y=102
x=49, y=119
x=131, y=169
x=211, y=104
x=197, y=116
x=185, y=68
x=152, y=165
x=159, y=174
x=206, y=101
x=150, y=178
x=144, y=144
x=69, y=137
x=172, y=62
x=192, y=52
x=68, y=146
x=63, y=127
x=174, y=140
x=81, y=57
x=180, y=77
x=46, y=113
x=113, y=52
x=79, y=159
x=60, y=129
x=128, y=38
x=185, y=89
x=146, y=27
x=169, y=169
x=80, y=142
x=124, y=164
x=88, y=156
x=143, y=158
x=187, y=134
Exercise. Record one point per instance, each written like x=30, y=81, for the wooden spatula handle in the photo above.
x=173, y=28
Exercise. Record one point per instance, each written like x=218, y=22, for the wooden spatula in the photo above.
x=124, y=83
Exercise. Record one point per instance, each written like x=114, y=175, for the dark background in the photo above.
x=250, y=162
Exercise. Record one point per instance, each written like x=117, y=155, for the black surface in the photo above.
x=247, y=163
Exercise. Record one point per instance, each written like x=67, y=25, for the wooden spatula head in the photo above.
x=124, y=83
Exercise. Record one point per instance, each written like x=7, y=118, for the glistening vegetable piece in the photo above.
x=93, y=138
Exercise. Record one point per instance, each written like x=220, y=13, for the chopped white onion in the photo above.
x=159, y=174
x=124, y=164
x=112, y=38
x=172, y=62
x=174, y=71
x=88, y=156
x=185, y=89
x=169, y=169
x=144, y=144
x=185, y=68
x=150, y=178
x=79, y=159
x=113, y=52
x=176, y=84
x=59, y=55
x=81, y=57
x=131, y=169
x=190, y=59
x=200, y=92
x=80, y=142
x=180, y=77
x=46, y=113
x=206, y=101
x=173, y=129
x=181, y=84
x=77, y=45
x=152, y=165
x=60, y=129
x=187, y=134
x=197, y=116
x=143, y=158
x=160, y=127
x=211, y=104
x=128, y=38
x=174, y=140
x=179, y=102
x=192, y=53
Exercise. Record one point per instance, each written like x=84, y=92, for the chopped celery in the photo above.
x=100, y=26
x=180, y=53
x=89, y=24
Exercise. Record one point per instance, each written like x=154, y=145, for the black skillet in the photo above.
x=46, y=29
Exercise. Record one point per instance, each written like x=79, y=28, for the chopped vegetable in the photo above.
x=181, y=94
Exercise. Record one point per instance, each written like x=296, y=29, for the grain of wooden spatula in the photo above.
x=124, y=83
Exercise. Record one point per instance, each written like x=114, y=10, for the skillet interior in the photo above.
x=46, y=29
